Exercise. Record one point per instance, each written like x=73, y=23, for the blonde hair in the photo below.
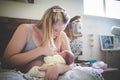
x=51, y=16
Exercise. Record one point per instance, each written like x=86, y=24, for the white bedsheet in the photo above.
x=81, y=73
x=77, y=73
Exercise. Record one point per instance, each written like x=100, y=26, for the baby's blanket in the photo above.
x=77, y=73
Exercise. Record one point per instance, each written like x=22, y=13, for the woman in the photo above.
x=31, y=42
x=74, y=35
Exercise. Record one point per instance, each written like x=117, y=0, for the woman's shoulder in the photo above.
x=63, y=34
x=23, y=30
x=25, y=27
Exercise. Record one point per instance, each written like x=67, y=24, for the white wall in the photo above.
x=36, y=10
x=96, y=26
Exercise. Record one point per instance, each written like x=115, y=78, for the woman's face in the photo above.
x=57, y=28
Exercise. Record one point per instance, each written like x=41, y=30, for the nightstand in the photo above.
x=111, y=74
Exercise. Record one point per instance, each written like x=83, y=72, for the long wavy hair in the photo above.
x=50, y=17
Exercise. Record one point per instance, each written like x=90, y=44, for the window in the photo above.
x=93, y=7
x=108, y=8
x=113, y=8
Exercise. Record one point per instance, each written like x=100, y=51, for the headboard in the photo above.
x=7, y=28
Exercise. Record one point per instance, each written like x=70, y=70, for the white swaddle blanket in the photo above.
x=77, y=73
x=48, y=61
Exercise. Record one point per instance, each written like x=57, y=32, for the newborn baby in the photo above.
x=64, y=57
x=48, y=61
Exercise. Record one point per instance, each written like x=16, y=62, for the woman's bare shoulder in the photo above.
x=63, y=37
x=63, y=34
x=24, y=27
x=23, y=31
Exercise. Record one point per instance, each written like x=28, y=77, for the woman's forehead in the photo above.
x=59, y=24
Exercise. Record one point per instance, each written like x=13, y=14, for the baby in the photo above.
x=49, y=61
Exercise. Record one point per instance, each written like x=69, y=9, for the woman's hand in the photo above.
x=48, y=50
x=51, y=72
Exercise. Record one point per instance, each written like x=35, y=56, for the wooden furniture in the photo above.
x=111, y=74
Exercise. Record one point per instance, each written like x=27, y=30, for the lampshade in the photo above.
x=115, y=30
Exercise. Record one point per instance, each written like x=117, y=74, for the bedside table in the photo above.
x=82, y=63
x=111, y=74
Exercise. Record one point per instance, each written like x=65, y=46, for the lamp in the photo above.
x=115, y=30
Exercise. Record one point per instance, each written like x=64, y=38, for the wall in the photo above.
x=96, y=26
x=36, y=10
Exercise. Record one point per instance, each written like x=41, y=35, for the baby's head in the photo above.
x=55, y=59
x=68, y=52
x=68, y=56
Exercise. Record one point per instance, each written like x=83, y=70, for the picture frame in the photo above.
x=107, y=42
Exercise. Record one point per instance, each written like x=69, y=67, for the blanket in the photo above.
x=77, y=73
x=48, y=61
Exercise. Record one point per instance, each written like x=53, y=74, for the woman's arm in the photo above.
x=56, y=70
x=66, y=50
x=12, y=53
x=65, y=42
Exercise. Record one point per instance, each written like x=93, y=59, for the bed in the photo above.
x=7, y=28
